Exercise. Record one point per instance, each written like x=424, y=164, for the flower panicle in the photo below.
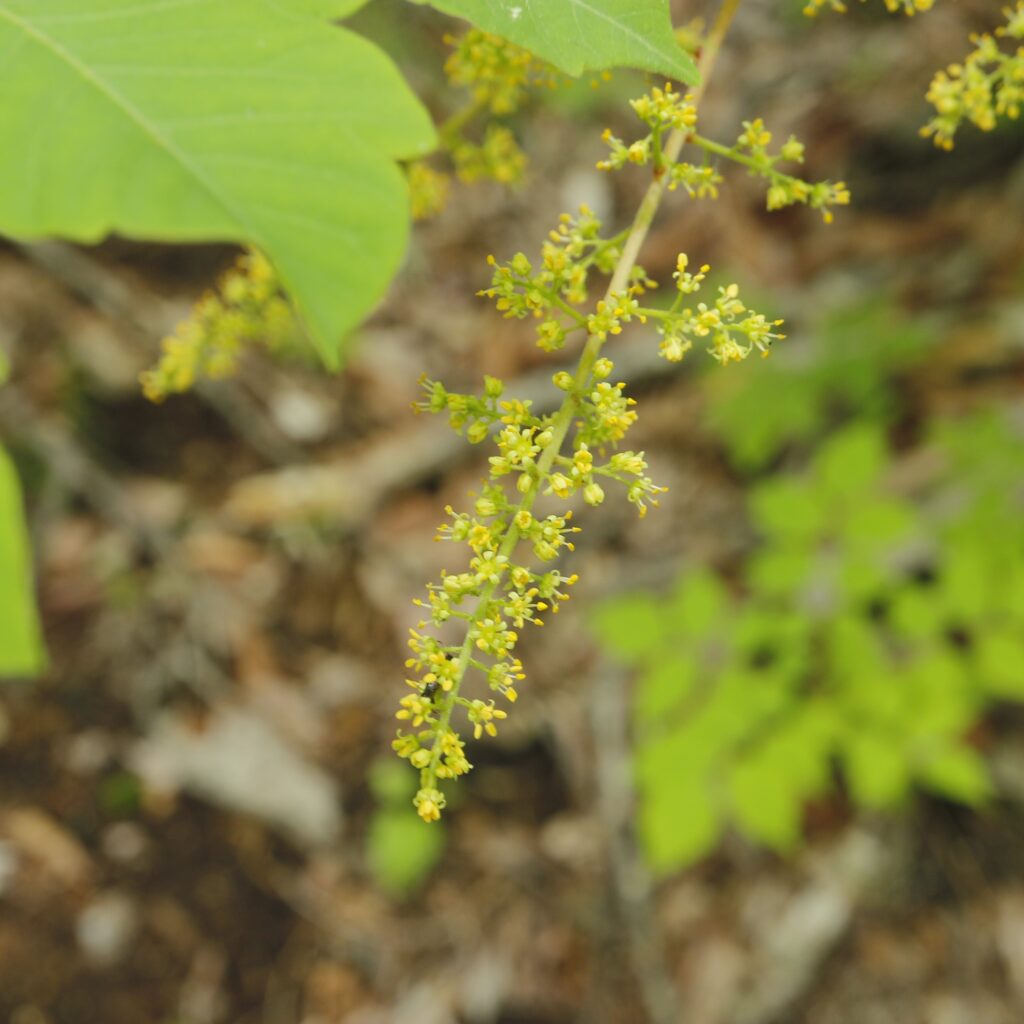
x=663, y=109
x=510, y=576
x=988, y=84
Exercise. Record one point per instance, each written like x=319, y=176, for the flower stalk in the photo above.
x=507, y=592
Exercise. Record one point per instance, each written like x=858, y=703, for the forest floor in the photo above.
x=226, y=585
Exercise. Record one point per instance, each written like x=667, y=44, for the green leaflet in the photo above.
x=186, y=120
x=21, y=650
x=400, y=852
x=585, y=35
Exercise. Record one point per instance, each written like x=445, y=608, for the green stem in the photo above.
x=450, y=130
x=562, y=420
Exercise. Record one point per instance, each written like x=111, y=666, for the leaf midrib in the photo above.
x=151, y=130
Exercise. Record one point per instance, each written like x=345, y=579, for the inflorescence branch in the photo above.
x=508, y=583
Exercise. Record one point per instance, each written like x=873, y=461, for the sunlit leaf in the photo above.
x=585, y=35
x=232, y=120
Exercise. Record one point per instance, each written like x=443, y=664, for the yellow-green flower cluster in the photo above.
x=249, y=307
x=734, y=331
x=663, y=110
x=550, y=291
x=498, y=72
x=908, y=7
x=699, y=181
x=989, y=84
x=506, y=582
x=498, y=75
x=751, y=150
x=497, y=158
x=428, y=190
x=503, y=587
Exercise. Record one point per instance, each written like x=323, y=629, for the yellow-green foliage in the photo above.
x=507, y=584
x=869, y=631
x=908, y=7
x=847, y=363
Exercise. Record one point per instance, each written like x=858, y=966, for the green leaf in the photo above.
x=1000, y=654
x=232, y=120
x=757, y=410
x=21, y=647
x=850, y=463
x=698, y=603
x=585, y=35
x=966, y=585
x=876, y=768
x=781, y=571
x=677, y=823
x=327, y=8
x=788, y=508
x=875, y=523
x=402, y=850
x=632, y=626
x=663, y=689
x=917, y=616
x=854, y=650
x=390, y=781
x=958, y=772
x=767, y=798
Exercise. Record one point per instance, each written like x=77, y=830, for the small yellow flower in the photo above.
x=429, y=803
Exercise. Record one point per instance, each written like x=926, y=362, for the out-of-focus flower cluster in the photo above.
x=499, y=76
x=987, y=85
x=247, y=308
x=907, y=7
x=498, y=73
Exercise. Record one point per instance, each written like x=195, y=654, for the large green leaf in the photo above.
x=21, y=650
x=187, y=120
x=581, y=35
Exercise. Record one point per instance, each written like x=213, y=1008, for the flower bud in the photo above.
x=593, y=493
x=485, y=507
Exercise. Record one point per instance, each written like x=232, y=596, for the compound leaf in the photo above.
x=232, y=120
x=582, y=35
